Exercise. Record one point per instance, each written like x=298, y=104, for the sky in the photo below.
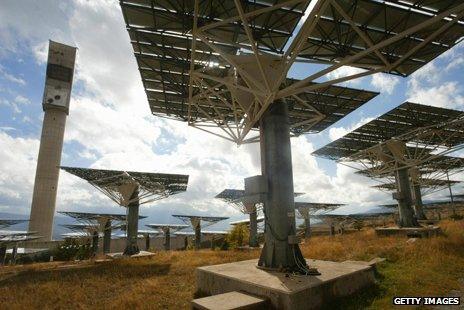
x=110, y=126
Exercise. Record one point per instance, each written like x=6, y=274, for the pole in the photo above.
x=198, y=236
x=132, y=224
x=167, y=239
x=14, y=252
x=253, y=242
x=418, y=205
x=2, y=254
x=403, y=196
x=281, y=250
x=107, y=237
x=451, y=194
x=95, y=243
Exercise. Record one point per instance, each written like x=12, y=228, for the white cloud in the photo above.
x=10, y=77
x=338, y=132
x=17, y=164
x=384, y=82
x=345, y=71
x=447, y=95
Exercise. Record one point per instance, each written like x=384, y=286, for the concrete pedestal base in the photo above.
x=428, y=222
x=411, y=232
x=286, y=291
x=121, y=255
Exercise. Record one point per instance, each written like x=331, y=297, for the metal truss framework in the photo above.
x=120, y=185
x=165, y=227
x=222, y=64
x=427, y=186
x=236, y=196
x=309, y=209
x=409, y=136
x=203, y=221
x=88, y=223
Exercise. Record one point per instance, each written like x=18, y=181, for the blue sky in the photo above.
x=110, y=125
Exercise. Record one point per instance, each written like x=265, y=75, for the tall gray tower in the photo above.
x=57, y=94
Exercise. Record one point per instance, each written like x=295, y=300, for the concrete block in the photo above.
x=286, y=291
x=229, y=301
x=410, y=232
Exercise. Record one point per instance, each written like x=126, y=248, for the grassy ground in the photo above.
x=166, y=281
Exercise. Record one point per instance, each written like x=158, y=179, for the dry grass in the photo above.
x=167, y=280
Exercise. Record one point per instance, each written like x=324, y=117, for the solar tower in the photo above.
x=197, y=222
x=130, y=189
x=57, y=94
x=222, y=66
x=167, y=229
x=399, y=142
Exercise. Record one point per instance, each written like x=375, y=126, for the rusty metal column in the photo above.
x=253, y=242
x=132, y=224
x=107, y=237
x=403, y=196
x=281, y=250
x=418, y=205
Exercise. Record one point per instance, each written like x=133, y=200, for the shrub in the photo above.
x=238, y=236
x=70, y=249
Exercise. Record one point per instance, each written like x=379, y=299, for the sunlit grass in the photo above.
x=167, y=280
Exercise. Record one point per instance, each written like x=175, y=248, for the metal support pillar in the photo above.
x=281, y=250
x=212, y=242
x=167, y=239
x=14, y=254
x=418, y=205
x=132, y=224
x=198, y=237
x=95, y=243
x=186, y=243
x=307, y=222
x=451, y=195
x=147, y=242
x=403, y=196
x=107, y=237
x=2, y=254
x=253, y=242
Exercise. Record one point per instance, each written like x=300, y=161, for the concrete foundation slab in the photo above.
x=286, y=291
x=230, y=301
x=410, y=232
x=121, y=255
